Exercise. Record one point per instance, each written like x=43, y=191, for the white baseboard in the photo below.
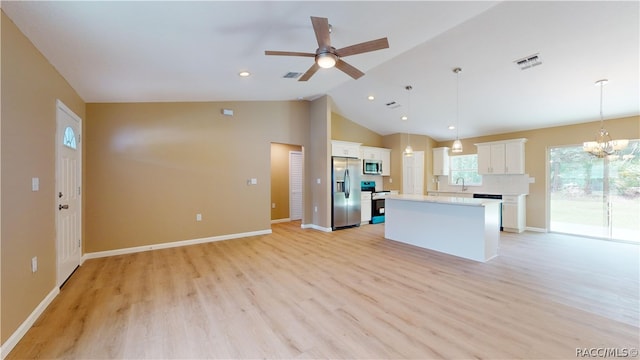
x=13, y=340
x=173, y=244
x=316, y=227
x=276, y=221
x=536, y=229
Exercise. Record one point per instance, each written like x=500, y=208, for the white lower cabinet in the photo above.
x=513, y=213
x=365, y=207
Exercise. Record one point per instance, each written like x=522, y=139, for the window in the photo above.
x=69, y=139
x=466, y=167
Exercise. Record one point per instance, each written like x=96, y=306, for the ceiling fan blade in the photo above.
x=349, y=70
x=289, y=53
x=312, y=70
x=321, y=27
x=364, y=47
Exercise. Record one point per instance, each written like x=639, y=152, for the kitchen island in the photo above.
x=464, y=227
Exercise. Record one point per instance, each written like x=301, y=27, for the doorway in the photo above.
x=68, y=192
x=287, y=195
x=595, y=197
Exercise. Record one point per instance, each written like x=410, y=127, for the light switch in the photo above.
x=254, y=181
x=198, y=217
x=35, y=184
x=318, y=180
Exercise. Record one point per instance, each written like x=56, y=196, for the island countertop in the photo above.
x=444, y=199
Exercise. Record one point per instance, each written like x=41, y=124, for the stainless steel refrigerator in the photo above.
x=345, y=199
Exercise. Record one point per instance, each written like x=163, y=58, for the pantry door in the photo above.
x=413, y=173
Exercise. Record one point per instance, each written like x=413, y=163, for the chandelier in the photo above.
x=603, y=145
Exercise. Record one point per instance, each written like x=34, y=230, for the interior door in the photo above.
x=295, y=185
x=413, y=173
x=68, y=192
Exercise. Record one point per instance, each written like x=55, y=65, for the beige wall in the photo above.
x=347, y=130
x=397, y=143
x=30, y=87
x=151, y=167
x=317, y=166
x=538, y=142
x=280, y=179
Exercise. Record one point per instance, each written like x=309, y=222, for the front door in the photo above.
x=68, y=192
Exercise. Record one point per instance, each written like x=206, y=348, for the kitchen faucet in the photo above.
x=463, y=188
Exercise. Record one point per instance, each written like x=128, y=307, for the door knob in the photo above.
x=60, y=207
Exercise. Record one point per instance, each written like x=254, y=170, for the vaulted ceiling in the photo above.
x=193, y=51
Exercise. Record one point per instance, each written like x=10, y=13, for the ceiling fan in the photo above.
x=326, y=56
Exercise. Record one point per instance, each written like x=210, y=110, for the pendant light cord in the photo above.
x=457, y=101
x=601, y=116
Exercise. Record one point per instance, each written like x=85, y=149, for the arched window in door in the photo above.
x=69, y=138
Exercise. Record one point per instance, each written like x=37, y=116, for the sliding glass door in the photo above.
x=597, y=197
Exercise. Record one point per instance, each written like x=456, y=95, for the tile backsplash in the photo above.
x=491, y=184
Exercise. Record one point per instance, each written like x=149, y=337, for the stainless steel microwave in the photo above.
x=372, y=167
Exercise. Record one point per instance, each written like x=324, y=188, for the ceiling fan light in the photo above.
x=457, y=146
x=326, y=60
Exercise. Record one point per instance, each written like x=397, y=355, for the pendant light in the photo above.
x=408, y=151
x=603, y=144
x=457, y=144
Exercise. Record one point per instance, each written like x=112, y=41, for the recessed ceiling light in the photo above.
x=244, y=73
x=404, y=117
x=451, y=127
x=370, y=97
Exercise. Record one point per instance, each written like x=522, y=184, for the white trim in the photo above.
x=536, y=229
x=315, y=227
x=13, y=340
x=276, y=221
x=173, y=244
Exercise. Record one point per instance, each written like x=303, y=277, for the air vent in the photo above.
x=528, y=62
x=292, y=75
x=392, y=105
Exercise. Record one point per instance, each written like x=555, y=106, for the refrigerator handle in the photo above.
x=347, y=184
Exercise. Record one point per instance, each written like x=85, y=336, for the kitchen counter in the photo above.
x=445, y=200
x=464, y=227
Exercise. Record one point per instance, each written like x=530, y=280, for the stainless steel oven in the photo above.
x=377, y=201
x=377, y=206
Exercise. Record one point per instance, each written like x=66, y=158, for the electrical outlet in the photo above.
x=390, y=180
x=198, y=217
x=315, y=208
x=34, y=264
x=273, y=205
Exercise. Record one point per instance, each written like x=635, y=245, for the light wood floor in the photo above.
x=346, y=294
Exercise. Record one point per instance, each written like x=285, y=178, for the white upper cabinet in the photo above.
x=386, y=161
x=441, y=161
x=376, y=153
x=501, y=157
x=345, y=148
